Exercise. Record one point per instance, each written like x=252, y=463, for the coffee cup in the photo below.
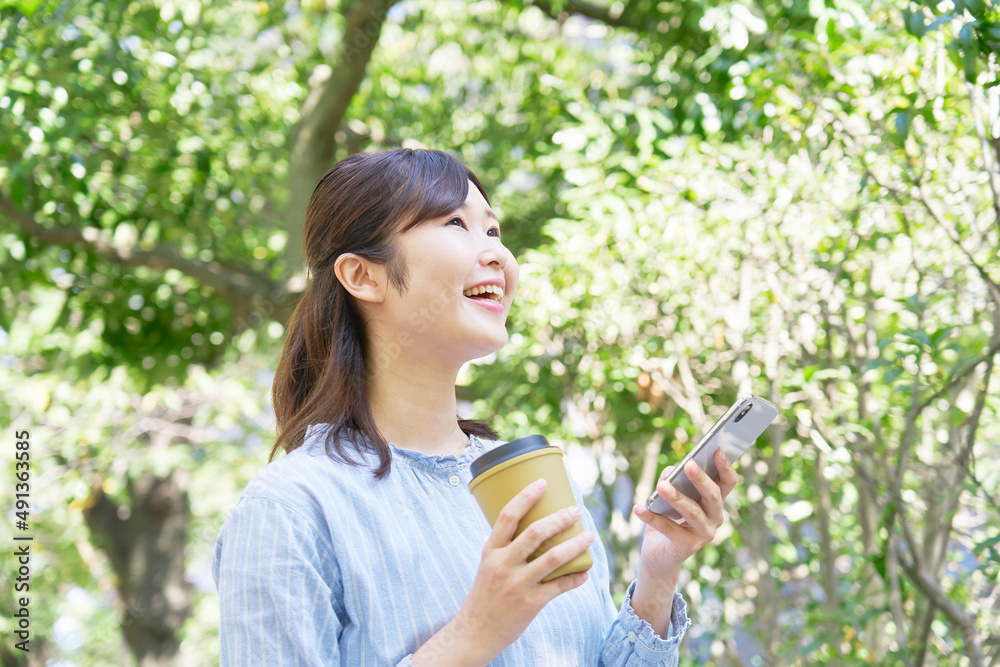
x=503, y=472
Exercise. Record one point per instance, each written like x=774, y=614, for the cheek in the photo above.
x=513, y=272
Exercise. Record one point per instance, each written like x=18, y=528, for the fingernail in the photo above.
x=540, y=484
x=574, y=512
x=589, y=539
x=670, y=490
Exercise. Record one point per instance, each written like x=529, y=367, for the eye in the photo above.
x=458, y=220
x=494, y=231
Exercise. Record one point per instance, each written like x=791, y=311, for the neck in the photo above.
x=413, y=404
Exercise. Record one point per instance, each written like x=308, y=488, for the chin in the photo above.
x=487, y=350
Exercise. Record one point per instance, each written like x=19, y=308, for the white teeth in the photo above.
x=492, y=289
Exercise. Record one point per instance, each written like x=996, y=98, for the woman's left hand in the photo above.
x=669, y=544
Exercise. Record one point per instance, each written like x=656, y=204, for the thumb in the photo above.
x=666, y=473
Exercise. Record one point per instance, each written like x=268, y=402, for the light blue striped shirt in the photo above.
x=320, y=564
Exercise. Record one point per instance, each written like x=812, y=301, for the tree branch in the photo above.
x=596, y=12
x=924, y=634
x=959, y=375
x=953, y=235
x=993, y=287
x=240, y=286
x=910, y=427
x=991, y=161
x=647, y=477
x=917, y=572
x=895, y=593
x=312, y=140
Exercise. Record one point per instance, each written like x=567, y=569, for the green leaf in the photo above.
x=879, y=561
x=903, y=123
x=940, y=335
x=967, y=36
x=919, y=337
x=26, y=7
x=957, y=417
x=940, y=21
x=914, y=302
x=915, y=22
x=879, y=362
x=988, y=544
x=19, y=192
x=970, y=65
x=975, y=7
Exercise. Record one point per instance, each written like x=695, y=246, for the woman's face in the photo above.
x=461, y=281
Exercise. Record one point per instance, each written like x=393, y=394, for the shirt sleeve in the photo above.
x=277, y=580
x=630, y=641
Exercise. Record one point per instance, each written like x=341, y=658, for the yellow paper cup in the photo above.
x=501, y=473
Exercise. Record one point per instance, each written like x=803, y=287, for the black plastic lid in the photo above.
x=506, y=452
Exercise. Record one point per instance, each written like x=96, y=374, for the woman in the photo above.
x=363, y=545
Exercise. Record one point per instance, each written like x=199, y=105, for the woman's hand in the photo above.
x=507, y=593
x=669, y=544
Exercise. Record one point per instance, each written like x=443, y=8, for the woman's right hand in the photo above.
x=507, y=594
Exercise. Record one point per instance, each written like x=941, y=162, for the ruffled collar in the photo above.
x=473, y=450
x=465, y=457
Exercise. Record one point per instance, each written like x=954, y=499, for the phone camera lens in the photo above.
x=743, y=413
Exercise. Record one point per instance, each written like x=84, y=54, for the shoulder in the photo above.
x=308, y=480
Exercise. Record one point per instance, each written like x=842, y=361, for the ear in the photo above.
x=364, y=279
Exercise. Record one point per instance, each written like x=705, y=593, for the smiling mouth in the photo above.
x=485, y=293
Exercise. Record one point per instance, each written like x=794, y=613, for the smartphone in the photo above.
x=735, y=431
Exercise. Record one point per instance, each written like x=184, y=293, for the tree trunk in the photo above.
x=874, y=587
x=146, y=545
x=38, y=655
x=313, y=140
x=758, y=541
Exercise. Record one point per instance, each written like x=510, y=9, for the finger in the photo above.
x=512, y=513
x=687, y=507
x=661, y=523
x=668, y=473
x=566, y=582
x=711, y=494
x=727, y=474
x=538, y=531
x=559, y=555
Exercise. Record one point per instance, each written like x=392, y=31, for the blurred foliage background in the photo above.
x=799, y=199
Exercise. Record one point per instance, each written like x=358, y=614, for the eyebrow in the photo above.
x=489, y=211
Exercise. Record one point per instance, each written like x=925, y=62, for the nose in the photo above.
x=494, y=253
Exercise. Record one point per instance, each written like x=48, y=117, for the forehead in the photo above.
x=476, y=203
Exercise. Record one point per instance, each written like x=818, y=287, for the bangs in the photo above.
x=436, y=185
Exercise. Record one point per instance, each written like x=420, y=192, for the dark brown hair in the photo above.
x=358, y=206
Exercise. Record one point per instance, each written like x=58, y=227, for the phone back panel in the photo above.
x=731, y=436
